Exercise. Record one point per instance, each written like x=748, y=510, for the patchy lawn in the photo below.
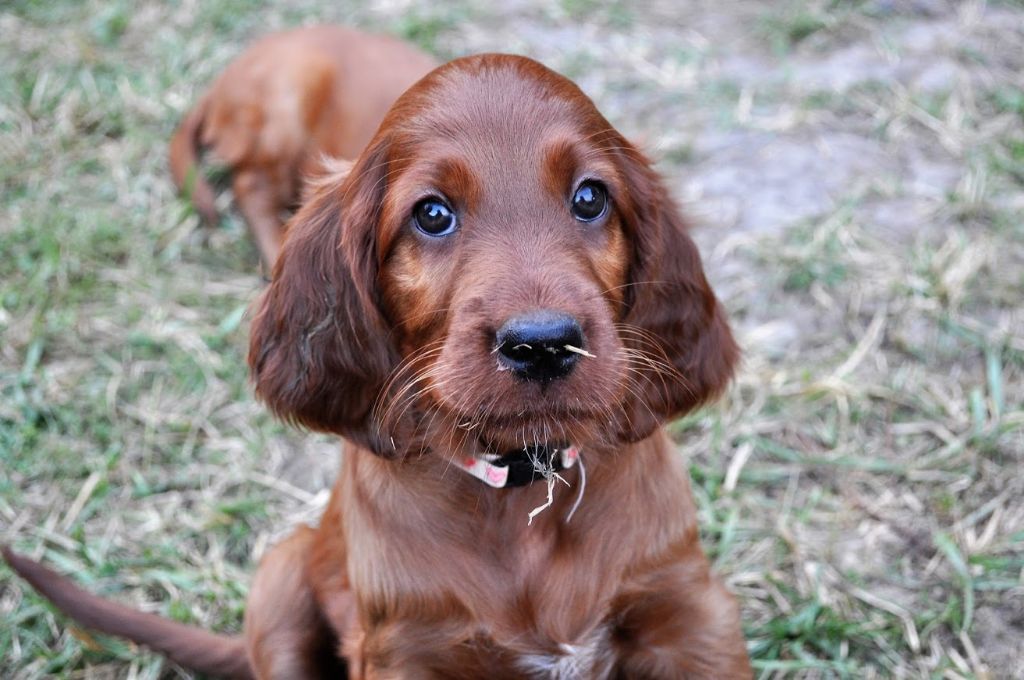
x=856, y=171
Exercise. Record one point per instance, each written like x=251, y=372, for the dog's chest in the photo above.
x=562, y=604
x=589, y=659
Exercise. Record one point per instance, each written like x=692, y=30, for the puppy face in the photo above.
x=503, y=245
x=511, y=270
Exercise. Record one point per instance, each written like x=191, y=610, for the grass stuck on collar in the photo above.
x=546, y=469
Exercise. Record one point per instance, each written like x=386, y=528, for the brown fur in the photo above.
x=287, y=101
x=376, y=332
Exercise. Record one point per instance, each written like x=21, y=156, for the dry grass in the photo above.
x=858, y=173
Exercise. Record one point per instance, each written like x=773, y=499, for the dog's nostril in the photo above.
x=542, y=345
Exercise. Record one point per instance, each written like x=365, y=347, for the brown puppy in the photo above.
x=501, y=293
x=283, y=104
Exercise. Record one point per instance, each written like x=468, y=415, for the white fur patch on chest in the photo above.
x=590, y=659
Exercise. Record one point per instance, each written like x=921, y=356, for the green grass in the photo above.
x=859, y=488
x=784, y=25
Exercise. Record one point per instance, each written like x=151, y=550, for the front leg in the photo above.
x=286, y=634
x=679, y=621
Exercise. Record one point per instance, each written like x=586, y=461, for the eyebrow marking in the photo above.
x=456, y=179
x=561, y=160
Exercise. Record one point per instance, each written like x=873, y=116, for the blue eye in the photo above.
x=590, y=201
x=433, y=217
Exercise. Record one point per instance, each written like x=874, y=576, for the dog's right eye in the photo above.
x=433, y=217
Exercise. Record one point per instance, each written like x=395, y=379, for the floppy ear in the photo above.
x=675, y=328
x=319, y=350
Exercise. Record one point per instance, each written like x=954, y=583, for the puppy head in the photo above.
x=500, y=268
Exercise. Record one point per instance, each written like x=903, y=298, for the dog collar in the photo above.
x=519, y=467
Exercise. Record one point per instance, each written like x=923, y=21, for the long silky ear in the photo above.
x=319, y=350
x=675, y=329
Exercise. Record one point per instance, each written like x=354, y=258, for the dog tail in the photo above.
x=184, y=154
x=188, y=646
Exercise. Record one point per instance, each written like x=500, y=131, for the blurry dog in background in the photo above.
x=288, y=101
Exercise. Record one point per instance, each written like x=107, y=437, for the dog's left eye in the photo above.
x=433, y=217
x=590, y=201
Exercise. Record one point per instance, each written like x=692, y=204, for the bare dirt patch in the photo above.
x=856, y=173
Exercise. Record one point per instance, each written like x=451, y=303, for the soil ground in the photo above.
x=855, y=172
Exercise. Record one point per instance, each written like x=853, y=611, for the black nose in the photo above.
x=541, y=345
